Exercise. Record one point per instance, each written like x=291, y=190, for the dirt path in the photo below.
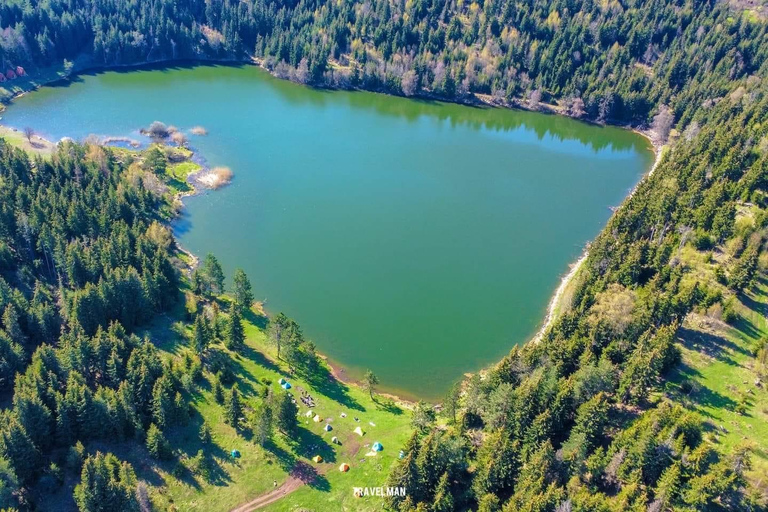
x=301, y=474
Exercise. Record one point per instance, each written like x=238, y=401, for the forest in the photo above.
x=603, y=61
x=584, y=419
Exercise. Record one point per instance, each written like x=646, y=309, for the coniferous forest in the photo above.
x=583, y=419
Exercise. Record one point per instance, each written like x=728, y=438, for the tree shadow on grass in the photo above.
x=323, y=381
x=748, y=327
x=699, y=395
x=308, y=444
x=711, y=345
x=388, y=405
x=309, y=475
x=259, y=358
x=259, y=321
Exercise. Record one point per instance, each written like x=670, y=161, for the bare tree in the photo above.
x=409, y=83
x=577, y=107
x=302, y=71
x=29, y=133
x=662, y=123
x=534, y=99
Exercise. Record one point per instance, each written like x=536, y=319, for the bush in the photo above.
x=729, y=313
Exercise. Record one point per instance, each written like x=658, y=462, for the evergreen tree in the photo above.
x=241, y=289
x=106, y=485
x=233, y=409
x=201, y=337
x=285, y=413
x=157, y=444
x=235, y=339
x=443, y=501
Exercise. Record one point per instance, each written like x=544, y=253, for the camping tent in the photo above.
x=377, y=447
x=235, y=454
x=359, y=431
x=335, y=440
x=281, y=381
x=317, y=418
x=327, y=428
x=309, y=413
x=287, y=385
x=344, y=467
x=317, y=459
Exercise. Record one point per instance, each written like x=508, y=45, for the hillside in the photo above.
x=647, y=392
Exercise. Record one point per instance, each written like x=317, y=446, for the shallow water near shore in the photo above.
x=419, y=239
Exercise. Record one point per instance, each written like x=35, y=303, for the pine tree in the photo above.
x=205, y=434
x=157, y=444
x=235, y=334
x=200, y=335
x=218, y=390
x=20, y=451
x=106, y=485
x=262, y=423
x=233, y=408
x=443, y=501
x=285, y=413
x=12, y=327
x=162, y=403
x=242, y=291
x=213, y=275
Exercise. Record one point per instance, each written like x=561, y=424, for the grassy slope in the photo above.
x=717, y=372
x=174, y=486
x=37, y=146
x=237, y=482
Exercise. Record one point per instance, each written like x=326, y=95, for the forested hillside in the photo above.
x=618, y=61
x=592, y=417
x=583, y=419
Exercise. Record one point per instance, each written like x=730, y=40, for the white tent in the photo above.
x=359, y=431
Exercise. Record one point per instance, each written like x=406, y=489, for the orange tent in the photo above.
x=344, y=468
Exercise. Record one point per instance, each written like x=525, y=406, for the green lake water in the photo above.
x=419, y=239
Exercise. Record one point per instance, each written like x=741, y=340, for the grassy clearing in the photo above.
x=35, y=146
x=178, y=172
x=234, y=482
x=718, y=378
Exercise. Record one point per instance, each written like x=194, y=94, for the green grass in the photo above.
x=717, y=374
x=237, y=482
x=177, y=175
x=37, y=146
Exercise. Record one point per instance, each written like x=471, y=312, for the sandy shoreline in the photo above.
x=554, y=302
x=337, y=370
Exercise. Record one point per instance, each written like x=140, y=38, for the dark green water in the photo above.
x=419, y=239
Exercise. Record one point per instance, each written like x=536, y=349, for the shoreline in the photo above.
x=338, y=370
x=574, y=267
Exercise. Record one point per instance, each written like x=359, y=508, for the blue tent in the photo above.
x=287, y=385
x=377, y=447
x=235, y=454
x=281, y=381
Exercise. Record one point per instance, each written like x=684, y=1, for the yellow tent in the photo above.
x=317, y=418
x=359, y=431
x=317, y=458
x=344, y=468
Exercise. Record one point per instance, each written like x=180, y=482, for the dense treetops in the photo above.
x=603, y=60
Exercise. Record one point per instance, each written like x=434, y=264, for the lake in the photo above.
x=416, y=238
